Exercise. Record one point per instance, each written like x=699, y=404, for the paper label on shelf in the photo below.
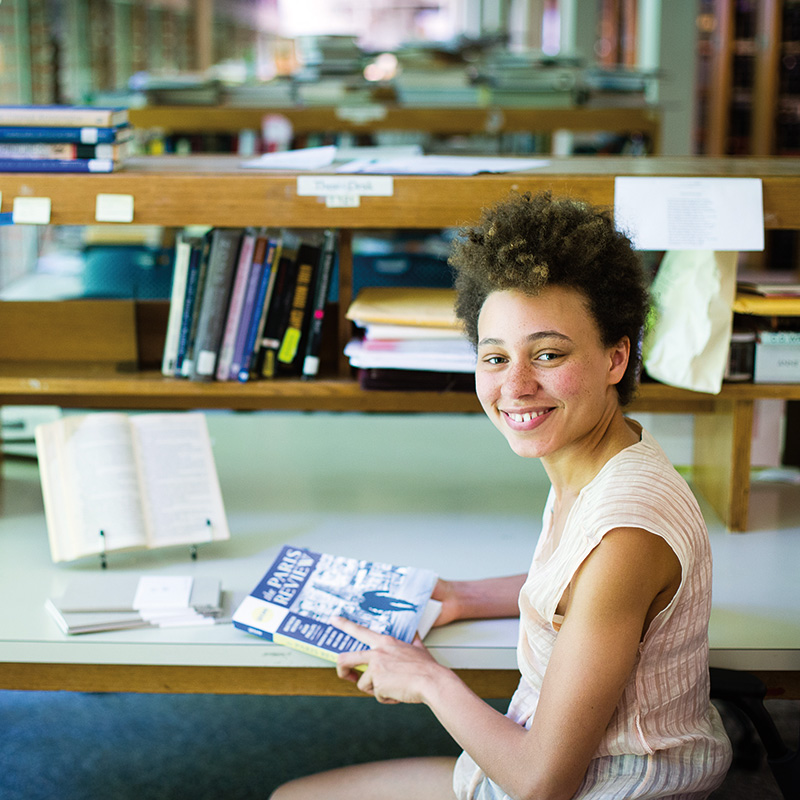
x=361, y=114
x=668, y=213
x=114, y=208
x=345, y=185
x=342, y=200
x=31, y=210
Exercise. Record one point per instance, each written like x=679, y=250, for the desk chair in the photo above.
x=745, y=693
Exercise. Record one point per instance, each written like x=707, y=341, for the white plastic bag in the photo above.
x=688, y=337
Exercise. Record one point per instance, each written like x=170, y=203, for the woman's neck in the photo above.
x=574, y=467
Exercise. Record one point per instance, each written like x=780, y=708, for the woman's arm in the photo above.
x=595, y=651
x=488, y=598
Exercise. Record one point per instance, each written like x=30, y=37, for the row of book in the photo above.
x=63, y=138
x=248, y=303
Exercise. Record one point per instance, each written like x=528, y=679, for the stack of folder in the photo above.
x=105, y=602
x=410, y=339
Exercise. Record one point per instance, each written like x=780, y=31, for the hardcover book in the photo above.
x=279, y=305
x=64, y=150
x=314, y=336
x=222, y=259
x=246, y=358
x=195, y=289
x=302, y=590
x=291, y=352
x=58, y=165
x=112, y=482
x=90, y=135
x=180, y=274
x=63, y=116
x=248, y=260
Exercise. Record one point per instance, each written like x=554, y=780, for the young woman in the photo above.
x=613, y=700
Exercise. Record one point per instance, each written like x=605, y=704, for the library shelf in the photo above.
x=216, y=190
x=92, y=385
x=374, y=117
x=71, y=354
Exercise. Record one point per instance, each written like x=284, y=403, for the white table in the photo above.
x=450, y=496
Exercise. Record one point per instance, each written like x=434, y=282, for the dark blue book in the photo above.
x=266, y=280
x=57, y=165
x=119, y=133
x=193, y=277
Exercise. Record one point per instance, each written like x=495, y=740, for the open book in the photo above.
x=116, y=482
x=302, y=590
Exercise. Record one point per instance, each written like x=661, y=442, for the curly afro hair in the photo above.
x=529, y=242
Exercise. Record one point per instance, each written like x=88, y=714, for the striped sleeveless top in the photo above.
x=665, y=739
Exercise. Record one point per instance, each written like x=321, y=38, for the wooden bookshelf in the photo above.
x=360, y=119
x=76, y=354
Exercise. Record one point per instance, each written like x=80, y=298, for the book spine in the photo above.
x=314, y=339
x=290, y=352
x=62, y=116
x=305, y=647
x=255, y=631
x=180, y=273
x=222, y=259
x=187, y=313
x=253, y=331
x=187, y=364
x=234, y=316
x=260, y=263
x=256, y=355
x=64, y=151
x=57, y=165
x=277, y=315
x=86, y=135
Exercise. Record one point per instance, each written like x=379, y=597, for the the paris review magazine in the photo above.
x=302, y=590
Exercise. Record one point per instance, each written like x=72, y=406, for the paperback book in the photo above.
x=111, y=482
x=62, y=115
x=302, y=591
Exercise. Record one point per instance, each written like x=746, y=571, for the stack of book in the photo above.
x=248, y=303
x=94, y=603
x=63, y=138
x=410, y=339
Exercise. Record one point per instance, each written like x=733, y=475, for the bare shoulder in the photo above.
x=630, y=568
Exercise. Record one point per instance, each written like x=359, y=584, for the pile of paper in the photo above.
x=411, y=339
x=105, y=602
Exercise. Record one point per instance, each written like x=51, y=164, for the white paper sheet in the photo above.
x=440, y=165
x=305, y=158
x=690, y=213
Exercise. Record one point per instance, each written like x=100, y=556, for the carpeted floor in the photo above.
x=65, y=746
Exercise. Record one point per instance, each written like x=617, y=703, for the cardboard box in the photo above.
x=777, y=357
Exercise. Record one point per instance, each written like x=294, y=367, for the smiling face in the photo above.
x=543, y=375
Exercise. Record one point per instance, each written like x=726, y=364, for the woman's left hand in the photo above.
x=392, y=671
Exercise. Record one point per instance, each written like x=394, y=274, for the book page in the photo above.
x=90, y=484
x=182, y=498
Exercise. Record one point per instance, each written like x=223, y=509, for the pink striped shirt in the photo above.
x=665, y=739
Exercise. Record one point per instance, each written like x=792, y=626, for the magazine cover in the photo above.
x=302, y=590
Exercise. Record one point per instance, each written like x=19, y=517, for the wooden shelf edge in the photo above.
x=171, y=679
x=149, y=390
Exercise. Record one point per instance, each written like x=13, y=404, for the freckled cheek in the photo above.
x=486, y=387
